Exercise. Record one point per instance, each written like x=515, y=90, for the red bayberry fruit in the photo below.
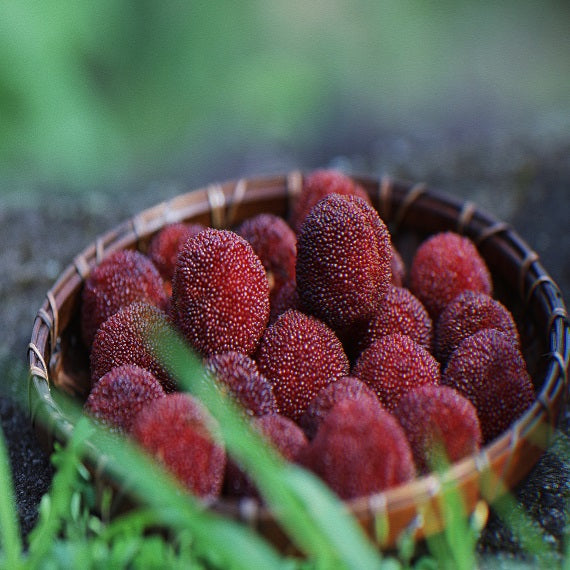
x=445, y=265
x=489, y=370
x=440, y=424
x=164, y=247
x=121, y=394
x=360, y=449
x=177, y=431
x=468, y=313
x=238, y=374
x=122, y=278
x=395, y=364
x=299, y=355
x=275, y=243
x=281, y=433
x=316, y=186
x=345, y=388
x=284, y=299
x=220, y=293
x=131, y=336
x=398, y=268
x=343, y=261
x=399, y=312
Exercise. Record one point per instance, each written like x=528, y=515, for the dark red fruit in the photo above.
x=220, y=293
x=316, y=186
x=441, y=425
x=122, y=278
x=121, y=394
x=468, y=313
x=360, y=449
x=275, y=243
x=131, y=336
x=343, y=261
x=345, y=388
x=284, y=299
x=299, y=355
x=281, y=433
x=164, y=247
x=238, y=375
x=445, y=265
x=398, y=268
x=489, y=370
x=399, y=312
x=395, y=364
x=177, y=431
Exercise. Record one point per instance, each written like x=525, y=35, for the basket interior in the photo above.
x=58, y=359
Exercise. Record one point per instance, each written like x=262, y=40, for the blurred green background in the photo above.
x=115, y=92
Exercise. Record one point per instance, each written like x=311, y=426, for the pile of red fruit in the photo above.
x=363, y=372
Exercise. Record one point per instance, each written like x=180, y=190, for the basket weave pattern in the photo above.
x=57, y=361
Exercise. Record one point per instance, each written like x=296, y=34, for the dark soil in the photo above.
x=523, y=178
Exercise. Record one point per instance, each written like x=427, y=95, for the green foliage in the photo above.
x=10, y=543
x=172, y=529
x=313, y=517
x=90, y=91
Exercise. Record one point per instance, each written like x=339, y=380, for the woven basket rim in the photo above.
x=397, y=201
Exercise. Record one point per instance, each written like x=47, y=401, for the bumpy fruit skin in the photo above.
x=398, y=268
x=281, y=433
x=360, y=449
x=220, y=293
x=286, y=298
x=120, y=395
x=275, y=243
x=395, y=364
x=345, y=388
x=316, y=186
x=468, y=313
x=343, y=261
x=400, y=311
x=238, y=375
x=122, y=278
x=130, y=336
x=489, y=370
x=299, y=355
x=164, y=247
x=177, y=431
x=440, y=424
x=445, y=265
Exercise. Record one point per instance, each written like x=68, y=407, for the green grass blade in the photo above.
x=230, y=544
x=526, y=530
x=9, y=528
x=454, y=547
x=55, y=507
x=314, y=518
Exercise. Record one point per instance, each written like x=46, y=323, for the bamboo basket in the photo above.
x=58, y=361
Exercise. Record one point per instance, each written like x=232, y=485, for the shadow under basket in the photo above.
x=59, y=362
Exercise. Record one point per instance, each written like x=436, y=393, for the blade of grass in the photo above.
x=231, y=544
x=314, y=518
x=56, y=505
x=526, y=531
x=9, y=528
x=566, y=539
x=453, y=547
